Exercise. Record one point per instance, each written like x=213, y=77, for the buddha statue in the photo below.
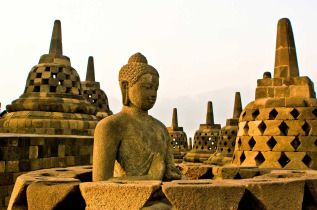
x=132, y=145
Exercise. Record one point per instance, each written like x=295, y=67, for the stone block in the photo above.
x=296, y=160
x=193, y=194
x=265, y=82
x=271, y=160
x=33, y=152
x=301, y=91
x=282, y=91
x=249, y=160
x=283, y=144
x=284, y=113
x=254, y=128
x=225, y=172
x=50, y=196
x=307, y=143
x=12, y=166
x=272, y=127
x=261, y=92
x=260, y=143
x=2, y=166
x=61, y=150
x=274, y=102
x=107, y=195
x=286, y=194
x=194, y=171
x=313, y=127
x=295, y=127
x=36, y=164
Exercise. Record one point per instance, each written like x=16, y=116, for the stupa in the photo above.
x=92, y=92
x=178, y=139
x=227, y=137
x=205, y=139
x=278, y=129
x=52, y=102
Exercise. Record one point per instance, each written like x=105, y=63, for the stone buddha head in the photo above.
x=139, y=83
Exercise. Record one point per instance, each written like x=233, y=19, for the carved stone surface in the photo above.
x=205, y=139
x=52, y=102
x=178, y=139
x=260, y=189
x=92, y=92
x=278, y=129
x=227, y=137
x=133, y=145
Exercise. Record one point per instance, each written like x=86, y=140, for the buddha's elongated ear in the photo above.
x=125, y=92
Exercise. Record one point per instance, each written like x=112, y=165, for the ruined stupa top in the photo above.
x=286, y=82
x=90, y=75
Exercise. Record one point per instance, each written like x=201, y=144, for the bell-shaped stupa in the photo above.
x=178, y=139
x=227, y=137
x=205, y=139
x=52, y=102
x=92, y=92
x=279, y=128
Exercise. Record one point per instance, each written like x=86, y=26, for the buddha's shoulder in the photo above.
x=158, y=123
x=113, y=121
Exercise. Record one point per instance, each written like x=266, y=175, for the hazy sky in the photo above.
x=204, y=50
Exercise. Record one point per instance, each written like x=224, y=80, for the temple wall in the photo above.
x=21, y=153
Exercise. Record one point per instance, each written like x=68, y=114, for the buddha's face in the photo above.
x=143, y=93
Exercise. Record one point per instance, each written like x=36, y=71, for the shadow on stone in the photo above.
x=249, y=201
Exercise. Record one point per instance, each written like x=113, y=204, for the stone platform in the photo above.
x=216, y=188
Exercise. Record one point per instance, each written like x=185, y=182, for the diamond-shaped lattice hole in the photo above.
x=246, y=128
x=283, y=128
x=306, y=127
x=239, y=142
x=225, y=143
x=233, y=132
x=262, y=127
x=273, y=114
x=244, y=113
x=295, y=113
x=242, y=158
x=259, y=159
x=307, y=160
x=252, y=142
x=271, y=143
x=229, y=150
x=316, y=143
x=295, y=143
x=283, y=160
x=255, y=113
x=315, y=112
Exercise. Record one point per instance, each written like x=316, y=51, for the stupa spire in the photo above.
x=237, y=106
x=210, y=114
x=285, y=53
x=90, y=75
x=174, y=119
x=56, y=40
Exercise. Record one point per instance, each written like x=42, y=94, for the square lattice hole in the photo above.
x=273, y=114
x=295, y=143
x=271, y=143
x=283, y=160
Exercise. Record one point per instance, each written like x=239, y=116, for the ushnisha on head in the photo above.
x=139, y=83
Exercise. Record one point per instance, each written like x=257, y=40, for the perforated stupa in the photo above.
x=178, y=139
x=227, y=137
x=279, y=128
x=52, y=102
x=92, y=92
x=205, y=139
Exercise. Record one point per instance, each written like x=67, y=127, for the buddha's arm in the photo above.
x=105, y=150
x=171, y=172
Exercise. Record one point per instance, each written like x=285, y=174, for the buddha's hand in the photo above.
x=157, y=168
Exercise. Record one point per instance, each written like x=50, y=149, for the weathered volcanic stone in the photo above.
x=203, y=194
x=52, y=102
x=120, y=195
x=205, y=139
x=178, y=139
x=277, y=130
